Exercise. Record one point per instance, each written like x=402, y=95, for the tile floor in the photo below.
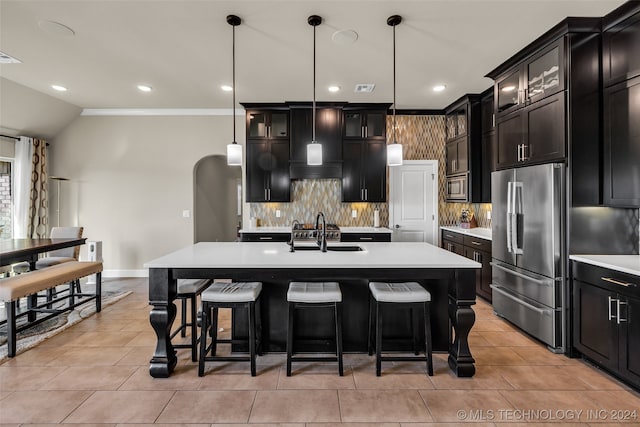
x=96, y=374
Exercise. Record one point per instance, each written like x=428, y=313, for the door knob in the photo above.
x=397, y=225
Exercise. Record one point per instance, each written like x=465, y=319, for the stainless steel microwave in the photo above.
x=457, y=187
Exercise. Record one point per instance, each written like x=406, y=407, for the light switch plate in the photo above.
x=186, y=213
x=354, y=213
x=277, y=213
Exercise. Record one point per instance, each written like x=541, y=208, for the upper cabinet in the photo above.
x=364, y=151
x=463, y=151
x=621, y=43
x=328, y=133
x=548, y=105
x=621, y=69
x=488, y=143
x=265, y=124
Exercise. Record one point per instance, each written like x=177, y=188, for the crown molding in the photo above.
x=161, y=112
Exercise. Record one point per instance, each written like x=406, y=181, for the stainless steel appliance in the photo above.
x=457, y=187
x=528, y=267
x=309, y=233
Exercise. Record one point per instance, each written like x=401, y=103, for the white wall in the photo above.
x=130, y=180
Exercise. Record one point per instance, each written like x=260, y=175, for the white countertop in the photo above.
x=283, y=229
x=277, y=255
x=479, y=232
x=624, y=263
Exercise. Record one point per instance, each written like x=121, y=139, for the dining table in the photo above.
x=19, y=250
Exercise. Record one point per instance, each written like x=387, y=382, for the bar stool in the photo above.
x=315, y=295
x=188, y=291
x=228, y=295
x=407, y=294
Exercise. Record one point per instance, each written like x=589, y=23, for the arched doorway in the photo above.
x=217, y=195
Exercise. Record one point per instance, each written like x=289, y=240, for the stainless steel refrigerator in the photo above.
x=528, y=253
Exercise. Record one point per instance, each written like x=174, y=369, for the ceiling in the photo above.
x=183, y=48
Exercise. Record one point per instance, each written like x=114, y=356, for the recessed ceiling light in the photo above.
x=509, y=88
x=344, y=37
x=59, y=88
x=226, y=88
x=144, y=88
x=334, y=88
x=439, y=88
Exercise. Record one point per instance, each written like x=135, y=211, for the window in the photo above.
x=6, y=198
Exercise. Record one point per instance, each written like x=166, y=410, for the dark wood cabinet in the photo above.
x=265, y=237
x=268, y=171
x=488, y=144
x=463, y=150
x=476, y=249
x=364, y=175
x=268, y=124
x=328, y=133
x=606, y=326
x=369, y=123
x=365, y=237
x=621, y=43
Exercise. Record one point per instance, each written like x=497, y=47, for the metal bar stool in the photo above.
x=315, y=295
x=188, y=290
x=407, y=294
x=228, y=295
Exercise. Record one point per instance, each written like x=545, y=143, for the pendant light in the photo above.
x=234, y=150
x=314, y=150
x=394, y=150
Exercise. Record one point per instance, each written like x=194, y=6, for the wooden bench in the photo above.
x=27, y=284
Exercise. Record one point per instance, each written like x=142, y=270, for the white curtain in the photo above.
x=23, y=170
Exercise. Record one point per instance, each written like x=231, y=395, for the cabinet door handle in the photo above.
x=617, y=282
x=620, y=303
x=493, y=120
x=266, y=238
x=269, y=193
x=477, y=256
x=362, y=194
x=524, y=152
x=366, y=238
x=366, y=194
x=610, y=300
x=476, y=243
x=519, y=146
x=265, y=194
x=453, y=165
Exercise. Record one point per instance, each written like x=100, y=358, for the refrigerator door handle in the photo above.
x=523, y=276
x=522, y=302
x=509, y=215
x=518, y=218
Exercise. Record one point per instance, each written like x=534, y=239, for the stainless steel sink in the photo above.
x=351, y=248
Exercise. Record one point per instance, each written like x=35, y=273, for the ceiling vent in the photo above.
x=6, y=59
x=364, y=88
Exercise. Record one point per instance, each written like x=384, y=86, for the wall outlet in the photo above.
x=489, y=215
x=186, y=213
x=354, y=213
x=277, y=213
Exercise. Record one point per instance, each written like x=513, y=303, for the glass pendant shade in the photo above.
x=314, y=154
x=394, y=154
x=234, y=155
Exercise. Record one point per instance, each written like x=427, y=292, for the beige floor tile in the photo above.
x=263, y=425
x=497, y=356
x=630, y=424
x=485, y=378
x=353, y=424
x=137, y=356
x=121, y=407
x=295, y=406
x=62, y=339
x=506, y=338
x=74, y=425
x=94, y=324
x=316, y=376
x=463, y=405
x=538, y=355
x=208, y=407
x=367, y=379
x=40, y=406
x=383, y=406
x=90, y=356
x=538, y=406
x=165, y=425
x=36, y=356
x=183, y=378
x=448, y=424
x=18, y=378
x=148, y=339
x=595, y=378
x=90, y=378
x=542, y=378
x=103, y=339
x=550, y=424
x=477, y=340
x=617, y=403
x=492, y=325
x=266, y=379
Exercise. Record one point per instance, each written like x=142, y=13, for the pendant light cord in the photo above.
x=233, y=83
x=313, y=113
x=394, y=85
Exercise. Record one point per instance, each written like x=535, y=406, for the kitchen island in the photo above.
x=449, y=277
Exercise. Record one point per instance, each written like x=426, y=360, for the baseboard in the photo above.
x=125, y=273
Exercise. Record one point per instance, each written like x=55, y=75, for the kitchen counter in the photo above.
x=449, y=278
x=629, y=264
x=287, y=229
x=365, y=230
x=478, y=232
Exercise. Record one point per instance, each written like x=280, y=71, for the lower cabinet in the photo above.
x=606, y=319
x=265, y=237
x=476, y=249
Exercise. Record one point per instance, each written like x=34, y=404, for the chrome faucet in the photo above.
x=290, y=242
x=321, y=236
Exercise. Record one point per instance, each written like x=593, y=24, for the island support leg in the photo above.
x=462, y=318
x=162, y=292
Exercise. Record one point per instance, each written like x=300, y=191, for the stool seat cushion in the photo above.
x=314, y=292
x=232, y=292
x=192, y=286
x=399, y=292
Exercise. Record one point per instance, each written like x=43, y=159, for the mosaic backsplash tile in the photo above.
x=423, y=138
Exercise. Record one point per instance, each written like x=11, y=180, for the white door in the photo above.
x=413, y=201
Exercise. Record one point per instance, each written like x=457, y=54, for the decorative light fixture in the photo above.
x=394, y=150
x=314, y=150
x=234, y=150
